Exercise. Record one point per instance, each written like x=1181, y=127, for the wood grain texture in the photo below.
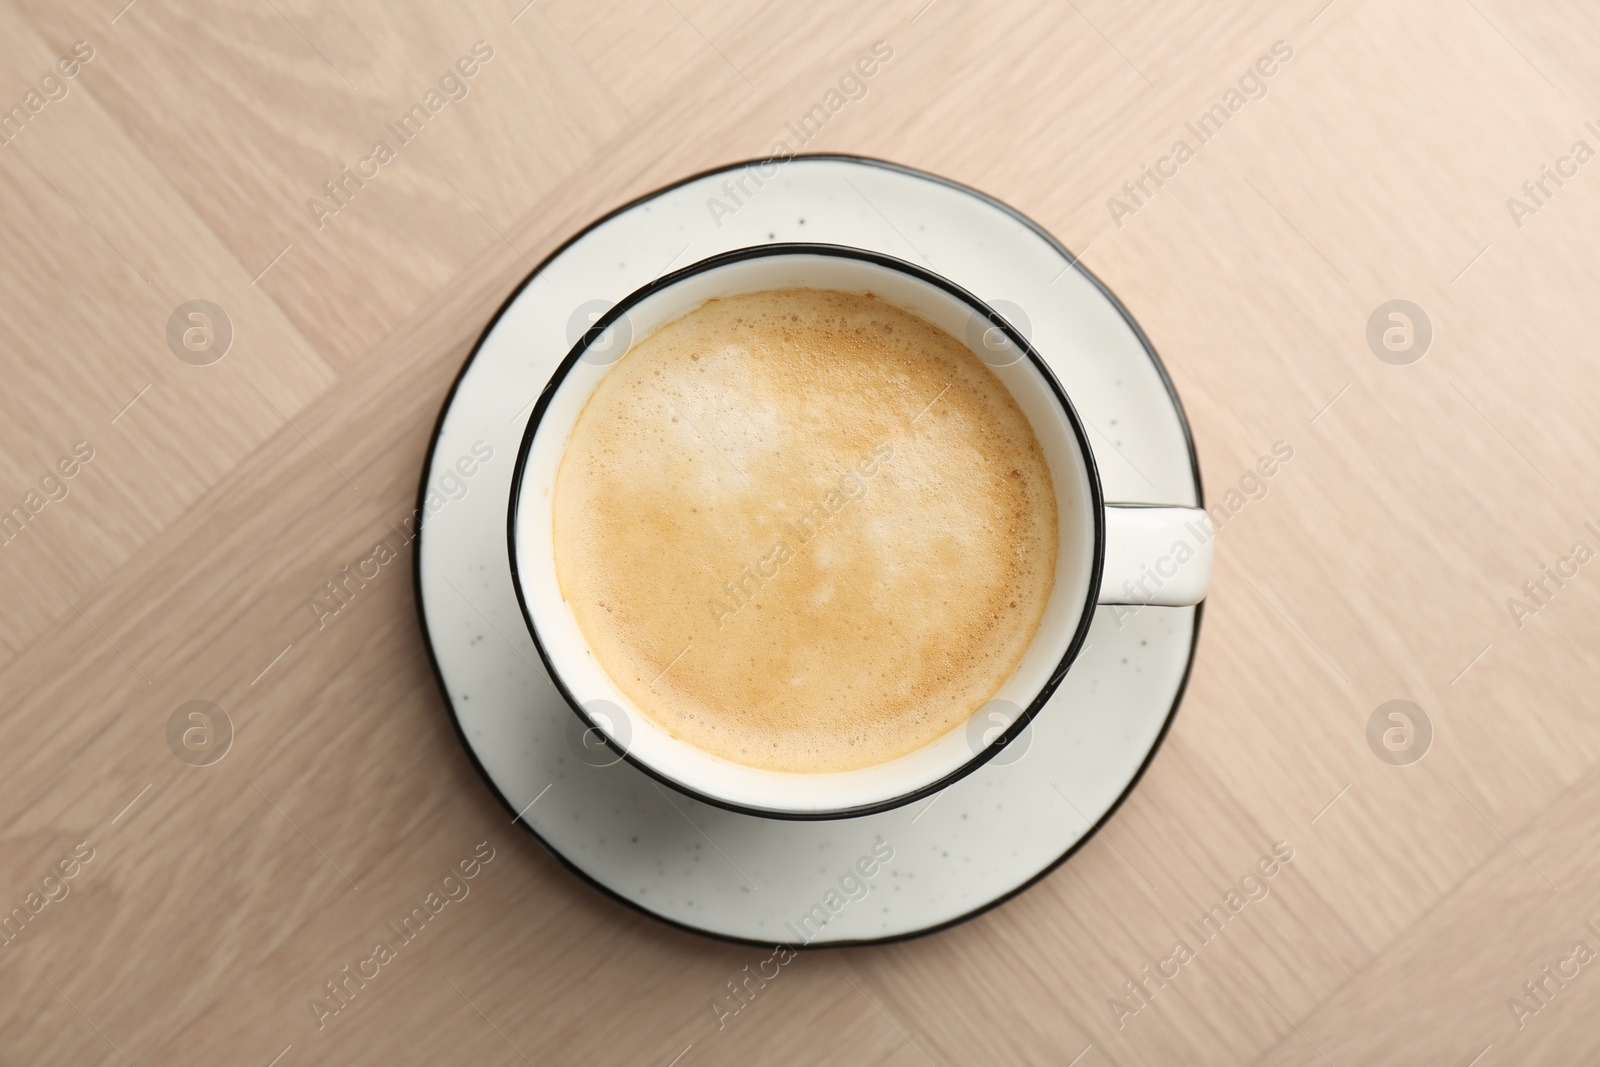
x=1377, y=564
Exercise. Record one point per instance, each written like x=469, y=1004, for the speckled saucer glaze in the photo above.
x=767, y=881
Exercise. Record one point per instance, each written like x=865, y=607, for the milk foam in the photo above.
x=805, y=530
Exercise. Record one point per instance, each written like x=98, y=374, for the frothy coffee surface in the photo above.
x=805, y=530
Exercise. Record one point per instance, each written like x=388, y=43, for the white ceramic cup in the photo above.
x=1107, y=554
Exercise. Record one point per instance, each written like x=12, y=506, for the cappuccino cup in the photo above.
x=765, y=573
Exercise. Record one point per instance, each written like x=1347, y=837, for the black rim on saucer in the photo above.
x=518, y=817
x=978, y=307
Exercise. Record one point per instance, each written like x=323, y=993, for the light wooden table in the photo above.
x=1380, y=564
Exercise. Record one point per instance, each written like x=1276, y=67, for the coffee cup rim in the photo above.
x=1096, y=506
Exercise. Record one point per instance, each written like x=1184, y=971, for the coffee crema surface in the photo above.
x=805, y=530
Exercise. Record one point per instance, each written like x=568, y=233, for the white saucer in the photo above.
x=768, y=881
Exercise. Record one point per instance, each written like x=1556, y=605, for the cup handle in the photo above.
x=1156, y=555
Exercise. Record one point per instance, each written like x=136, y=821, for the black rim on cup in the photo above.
x=978, y=308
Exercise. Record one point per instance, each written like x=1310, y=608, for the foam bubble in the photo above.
x=853, y=565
